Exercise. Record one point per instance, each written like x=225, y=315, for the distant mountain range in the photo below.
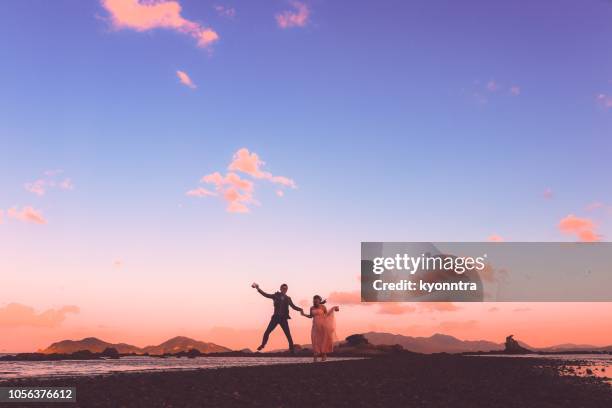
x=442, y=343
x=568, y=347
x=174, y=345
x=438, y=343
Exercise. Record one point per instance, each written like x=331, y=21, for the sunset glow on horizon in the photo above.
x=158, y=157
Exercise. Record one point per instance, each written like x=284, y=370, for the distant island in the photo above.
x=95, y=345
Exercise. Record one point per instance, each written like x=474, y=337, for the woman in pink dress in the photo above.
x=323, y=332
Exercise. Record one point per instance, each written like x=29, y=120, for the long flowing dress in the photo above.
x=323, y=332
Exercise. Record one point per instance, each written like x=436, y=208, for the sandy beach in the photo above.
x=392, y=381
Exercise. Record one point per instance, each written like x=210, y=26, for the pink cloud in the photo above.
x=26, y=214
x=280, y=193
x=588, y=236
x=250, y=163
x=247, y=162
x=297, y=18
x=394, y=308
x=495, y=238
x=228, y=12
x=66, y=184
x=200, y=192
x=238, y=192
x=151, y=14
x=18, y=315
x=53, y=172
x=48, y=182
x=1, y=216
x=231, y=179
x=37, y=187
x=596, y=205
x=583, y=228
x=438, y=306
x=605, y=101
x=185, y=79
x=485, y=91
x=548, y=193
x=492, y=86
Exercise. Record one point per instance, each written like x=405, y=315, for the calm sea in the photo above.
x=71, y=368
x=597, y=365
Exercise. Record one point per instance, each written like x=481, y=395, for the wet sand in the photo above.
x=391, y=381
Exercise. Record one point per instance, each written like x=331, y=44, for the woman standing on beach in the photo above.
x=323, y=332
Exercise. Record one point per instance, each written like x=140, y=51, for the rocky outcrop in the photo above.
x=513, y=347
x=356, y=340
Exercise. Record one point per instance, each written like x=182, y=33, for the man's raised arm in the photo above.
x=264, y=294
x=294, y=307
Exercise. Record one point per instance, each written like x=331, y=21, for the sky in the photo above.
x=158, y=157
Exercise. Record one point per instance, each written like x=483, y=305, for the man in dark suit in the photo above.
x=281, y=314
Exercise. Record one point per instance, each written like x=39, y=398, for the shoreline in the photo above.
x=387, y=381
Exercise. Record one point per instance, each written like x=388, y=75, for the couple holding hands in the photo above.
x=323, y=333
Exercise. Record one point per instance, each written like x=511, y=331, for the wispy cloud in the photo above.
x=49, y=181
x=26, y=214
x=238, y=192
x=37, y=187
x=582, y=228
x=200, y=192
x=223, y=11
x=438, y=307
x=492, y=86
x=599, y=206
x=603, y=100
x=151, y=14
x=18, y=315
x=185, y=79
x=66, y=184
x=298, y=17
x=395, y=308
x=482, y=92
x=595, y=205
x=548, y=193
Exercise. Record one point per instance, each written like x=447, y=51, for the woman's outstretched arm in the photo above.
x=333, y=309
x=307, y=315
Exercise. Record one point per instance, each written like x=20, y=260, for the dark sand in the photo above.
x=391, y=381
